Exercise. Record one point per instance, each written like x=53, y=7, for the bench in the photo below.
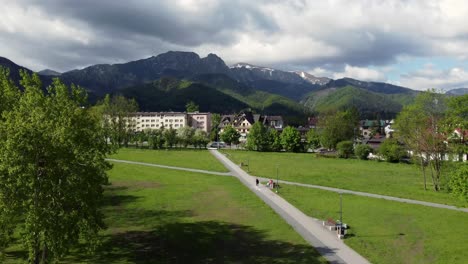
x=330, y=224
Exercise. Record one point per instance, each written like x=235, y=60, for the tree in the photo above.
x=291, y=139
x=156, y=138
x=345, y=149
x=459, y=182
x=338, y=126
x=116, y=114
x=420, y=126
x=456, y=118
x=391, y=150
x=215, y=121
x=200, y=138
x=52, y=169
x=274, y=140
x=313, y=139
x=230, y=135
x=257, y=139
x=191, y=107
x=362, y=151
x=170, y=137
x=185, y=135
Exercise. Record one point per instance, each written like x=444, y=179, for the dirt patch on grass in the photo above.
x=136, y=184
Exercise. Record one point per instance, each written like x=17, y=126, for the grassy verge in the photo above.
x=390, y=232
x=189, y=158
x=165, y=216
x=400, y=180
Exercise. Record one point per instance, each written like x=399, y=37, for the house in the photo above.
x=368, y=128
x=244, y=121
x=140, y=121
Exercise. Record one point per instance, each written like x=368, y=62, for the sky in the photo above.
x=419, y=44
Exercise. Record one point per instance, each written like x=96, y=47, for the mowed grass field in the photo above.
x=189, y=158
x=167, y=216
x=389, y=232
x=400, y=180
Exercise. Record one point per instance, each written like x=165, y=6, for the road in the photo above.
x=325, y=242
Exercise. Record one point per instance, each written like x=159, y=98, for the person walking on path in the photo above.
x=257, y=182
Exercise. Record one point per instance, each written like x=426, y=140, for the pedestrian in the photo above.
x=257, y=182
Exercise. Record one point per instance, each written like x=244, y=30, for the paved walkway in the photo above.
x=170, y=167
x=324, y=241
x=373, y=195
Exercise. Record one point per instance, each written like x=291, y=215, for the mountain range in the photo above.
x=168, y=81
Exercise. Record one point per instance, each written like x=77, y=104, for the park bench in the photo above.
x=330, y=224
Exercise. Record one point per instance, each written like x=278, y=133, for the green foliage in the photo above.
x=337, y=126
x=115, y=113
x=459, y=182
x=192, y=107
x=230, y=135
x=456, y=117
x=274, y=140
x=257, y=139
x=156, y=138
x=362, y=151
x=367, y=102
x=200, y=138
x=215, y=120
x=345, y=149
x=391, y=150
x=170, y=137
x=52, y=168
x=313, y=138
x=419, y=126
x=185, y=135
x=291, y=139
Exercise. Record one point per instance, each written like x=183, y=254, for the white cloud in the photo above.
x=430, y=77
x=361, y=73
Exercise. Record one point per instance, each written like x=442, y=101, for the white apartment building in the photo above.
x=155, y=120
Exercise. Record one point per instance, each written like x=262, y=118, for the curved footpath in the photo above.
x=325, y=242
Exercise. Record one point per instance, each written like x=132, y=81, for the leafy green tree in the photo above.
x=156, y=138
x=362, y=151
x=459, y=182
x=200, y=138
x=274, y=140
x=457, y=118
x=391, y=150
x=419, y=127
x=257, y=139
x=192, y=107
x=291, y=139
x=52, y=169
x=230, y=135
x=215, y=121
x=116, y=112
x=338, y=126
x=185, y=135
x=345, y=149
x=170, y=137
x=313, y=139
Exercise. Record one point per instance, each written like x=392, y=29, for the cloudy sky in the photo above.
x=419, y=44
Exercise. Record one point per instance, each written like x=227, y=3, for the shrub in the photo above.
x=345, y=149
x=459, y=182
x=391, y=150
x=362, y=151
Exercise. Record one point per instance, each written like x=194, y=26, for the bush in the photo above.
x=391, y=150
x=459, y=182
x=345, y=149
x=362, y=151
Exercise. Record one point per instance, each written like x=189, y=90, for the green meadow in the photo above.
x=400, y=180
x=389, y=232
x=188, y=158
x=166, y=216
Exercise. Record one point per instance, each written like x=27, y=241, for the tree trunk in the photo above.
x=44, y=254
x=423, y=168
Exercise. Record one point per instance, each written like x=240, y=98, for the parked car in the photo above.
x=216, y=145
